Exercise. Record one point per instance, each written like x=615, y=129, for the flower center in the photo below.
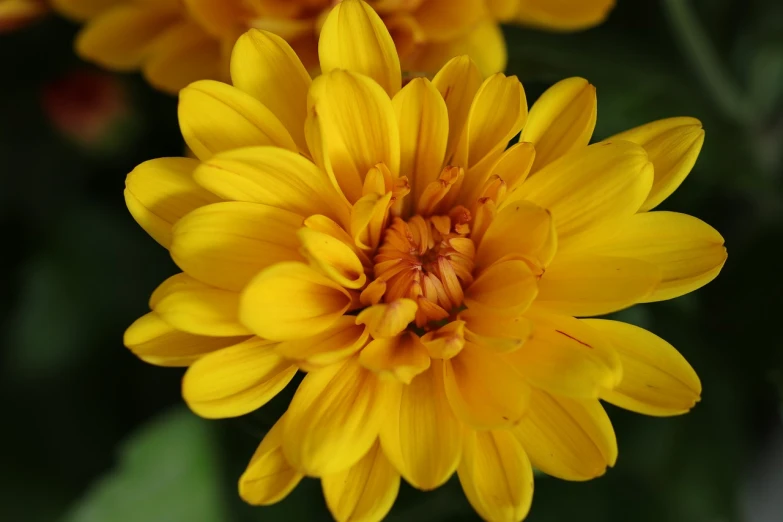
x=428, y=260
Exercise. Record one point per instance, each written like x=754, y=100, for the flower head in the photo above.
x=426, y=276
x=176, y=42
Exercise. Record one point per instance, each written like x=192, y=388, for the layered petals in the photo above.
x=341, y=340
x=506, y=288
x=269, y=477
x=402, y=357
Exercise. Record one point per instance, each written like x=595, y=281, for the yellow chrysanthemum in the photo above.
x=18, y=13
x=426, y=277
x=176, y=42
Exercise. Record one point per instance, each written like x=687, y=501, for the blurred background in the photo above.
x=91, y=434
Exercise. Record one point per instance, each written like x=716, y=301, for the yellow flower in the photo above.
x=175, y=42
x=425, y=276
x=19, y=13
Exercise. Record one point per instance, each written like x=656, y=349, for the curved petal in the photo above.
x=236, y=380
x=585, y=285
x=569, y=439
x=496, y=475
x=561, y=120
x=219, y=17
x=501, y=334
x=483, y=389
x=226, y=244
x=267, y=68
x=193, y=307
x=269, y=477
x=506, y=289
x=333, y=257
x=366, y=491
x=673, y=145
x=275, y=177
x=354, y=38
x=333, y=419
x=564, y=15
x=155, y=341
x=341, y=340
x=657, y=380
x=441, y=20
x=215, y=117
x=388, y=319
x=420, y=434
x=159, y=192
x=402, y=357
x=292, y=301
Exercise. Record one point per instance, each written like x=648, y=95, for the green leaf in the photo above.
x=167, y=472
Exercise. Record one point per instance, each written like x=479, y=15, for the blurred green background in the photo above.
x=91, y=434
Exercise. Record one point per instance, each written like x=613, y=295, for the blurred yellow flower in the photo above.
x=426, y=277
x=175, y=42
x=18, y=13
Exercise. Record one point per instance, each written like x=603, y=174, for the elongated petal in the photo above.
x=585, y=285
x=519, y=231
x=333, y=419
x=366, y=491
x=269, y=477
x=292, y=301
x=420, y=434
x=122, y=37
x=194, y=307
x=333, y=257
x=448, y=19
x=484, y=391
x=155, y=341
x=236, y=380
x=569, y=439
x=496, y=475
x=355, y=38
x=561, y=120
x=501, y=334
x=341, y=340
x=275, y=177
x=514, y=165
x=215, y=117
x=424, y=130
x=566, y=357
x=599, y=183
x=388, y=319
x=657, y=380
x=159, y=192
x=673, y=145
x=358, y=128
x=264, y=66
x=402, y=357
x=505, y=288
x=564, y=15
x=226, y=244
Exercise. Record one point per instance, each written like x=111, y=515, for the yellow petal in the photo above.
x=275, y=177
x=358, y=128
x=585, y=285
x=341, y=340
x=215, y=117
x=420, y=434
x=388, y=319
x=443, y=20
x=588, y=186
x=503, y=10
x=182, y=55
x=657, y=380
x=366, y=491
x=269, y=477
x=519, y=231
x=354, y=38
x=121, y=38
x=226, y=244
x=191, y=306
x=673, y=145
x=333, y=419
x=82, y=9
x=159, y=192
x=506, y=288
x=155, y=341
x=368, y=220
x=236, y=380
x=483, y=389
x=445, y=342
x=570, y=439
x=458, y=82
x=502, y=334
x=402, y=357
x=333, y=257
x=496, y=475
x=292, y=301
x=264, y=66
x=424, y=124
x=513, y=166
x=217, y=16
x=565, y=356
x=564, y=15
x=561, y=120
x=688, y=252
x=329, y=226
